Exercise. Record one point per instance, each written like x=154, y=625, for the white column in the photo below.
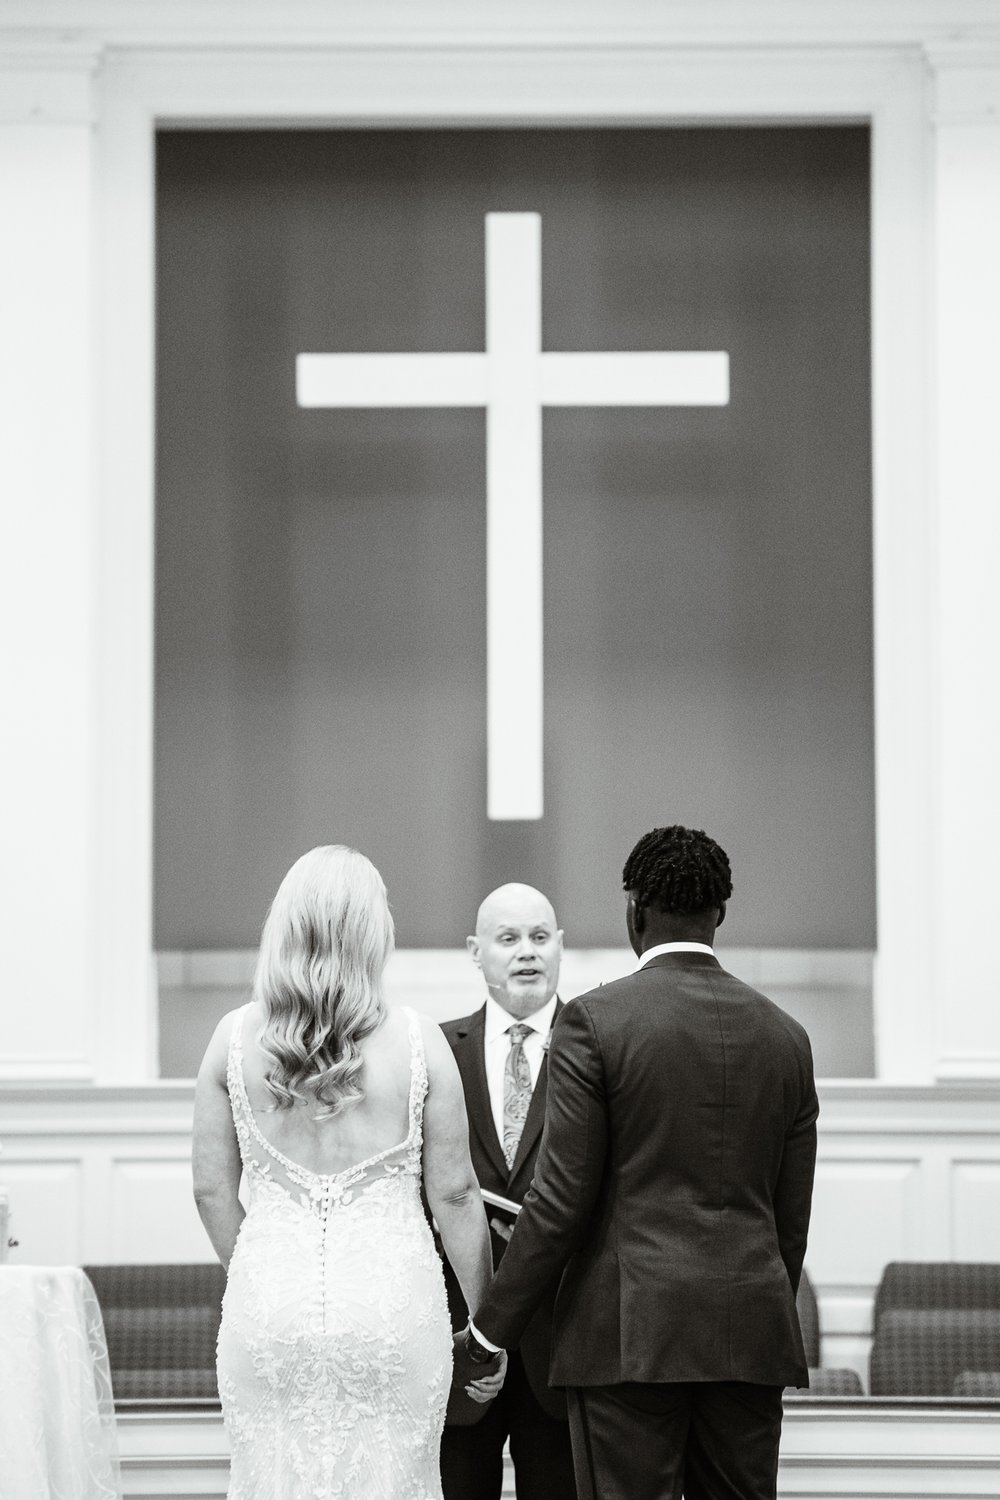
x=903, y=989
x=967, y=478
x=127, y=1041
x=48, y=1000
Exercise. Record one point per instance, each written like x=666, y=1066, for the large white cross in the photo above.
x=513, y=379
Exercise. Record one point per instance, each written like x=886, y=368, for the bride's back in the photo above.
x=335, y=1342
x=325, y=1143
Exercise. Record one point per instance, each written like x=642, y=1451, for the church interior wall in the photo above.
x=829, y=991
x=124, y=94
x=135, y=93
x=909, y=1166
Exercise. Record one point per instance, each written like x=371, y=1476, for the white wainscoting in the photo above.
x=905, y=1173
x=829, y=1451
x=99, y=1175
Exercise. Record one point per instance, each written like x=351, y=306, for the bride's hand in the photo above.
x=488, y=1386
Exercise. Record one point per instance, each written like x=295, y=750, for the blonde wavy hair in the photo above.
x=323, y=951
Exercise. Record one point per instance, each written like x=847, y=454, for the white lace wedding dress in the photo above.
x=335, y=1345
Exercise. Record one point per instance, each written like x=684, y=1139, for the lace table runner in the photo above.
x=57, y=1420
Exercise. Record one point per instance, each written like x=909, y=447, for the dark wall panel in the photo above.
x=320, y=633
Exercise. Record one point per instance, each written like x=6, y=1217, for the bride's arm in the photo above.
x=449, y=1180
x=215, y=1153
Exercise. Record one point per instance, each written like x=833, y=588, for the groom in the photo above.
x=670, y=1203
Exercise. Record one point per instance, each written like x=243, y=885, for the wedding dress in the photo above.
x=335, y=1347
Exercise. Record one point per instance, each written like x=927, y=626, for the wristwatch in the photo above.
x=477, y=1352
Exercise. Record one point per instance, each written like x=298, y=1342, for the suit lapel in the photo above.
x=536, y=1112
x=469, y=1050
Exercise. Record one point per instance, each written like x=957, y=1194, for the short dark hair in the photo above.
x=678, y=870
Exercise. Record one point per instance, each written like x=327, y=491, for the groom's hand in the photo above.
x=487, y=1386
x=476, y=1368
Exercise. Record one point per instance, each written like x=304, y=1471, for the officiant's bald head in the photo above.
x=518, y=946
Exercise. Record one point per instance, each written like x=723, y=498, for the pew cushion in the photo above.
x=165, y=1385
x=161, y=1323
x=977, y=1383
x=938, y=1284
x=833, y=1382
x=919, y=1352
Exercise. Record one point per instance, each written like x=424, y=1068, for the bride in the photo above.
x=335, y=1348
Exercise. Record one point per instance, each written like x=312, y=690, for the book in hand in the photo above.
x=462, y=1410
x=497, y=1200
x=502, y=1227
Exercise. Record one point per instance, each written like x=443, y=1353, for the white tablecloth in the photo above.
x=57, y=1421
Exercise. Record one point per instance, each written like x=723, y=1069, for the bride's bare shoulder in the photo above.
x=217, y=1052
x=440, y=1058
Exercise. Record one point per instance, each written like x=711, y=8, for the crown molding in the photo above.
x=965, y=83
x=516, y=23
x=48, y=81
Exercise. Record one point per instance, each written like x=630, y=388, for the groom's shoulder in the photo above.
x=603, y=996
x=655, y=980
x=770, y=1018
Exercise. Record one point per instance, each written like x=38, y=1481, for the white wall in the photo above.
x=966, y=250
x=48, y=548
x=828, y=991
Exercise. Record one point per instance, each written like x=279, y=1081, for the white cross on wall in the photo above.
x=514, y=380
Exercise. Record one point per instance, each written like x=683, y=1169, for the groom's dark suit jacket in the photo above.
x=534, y=1339
x=671, y=1195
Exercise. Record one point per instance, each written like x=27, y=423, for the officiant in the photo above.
x=500, y=1050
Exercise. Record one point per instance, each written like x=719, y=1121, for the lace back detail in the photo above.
x=320, y=1192
x=335, y=1347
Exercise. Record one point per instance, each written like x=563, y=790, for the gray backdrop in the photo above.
x=320, y=584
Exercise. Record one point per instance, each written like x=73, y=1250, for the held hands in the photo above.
x=482, y=1380
x=487, y=1386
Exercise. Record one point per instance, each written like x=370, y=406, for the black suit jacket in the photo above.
x=466, y=1037
x=671, y=1196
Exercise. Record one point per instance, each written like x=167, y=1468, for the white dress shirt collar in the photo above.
x=499, y=1020
x=673, y=948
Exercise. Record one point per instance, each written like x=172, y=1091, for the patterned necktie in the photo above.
x=516, y=1090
